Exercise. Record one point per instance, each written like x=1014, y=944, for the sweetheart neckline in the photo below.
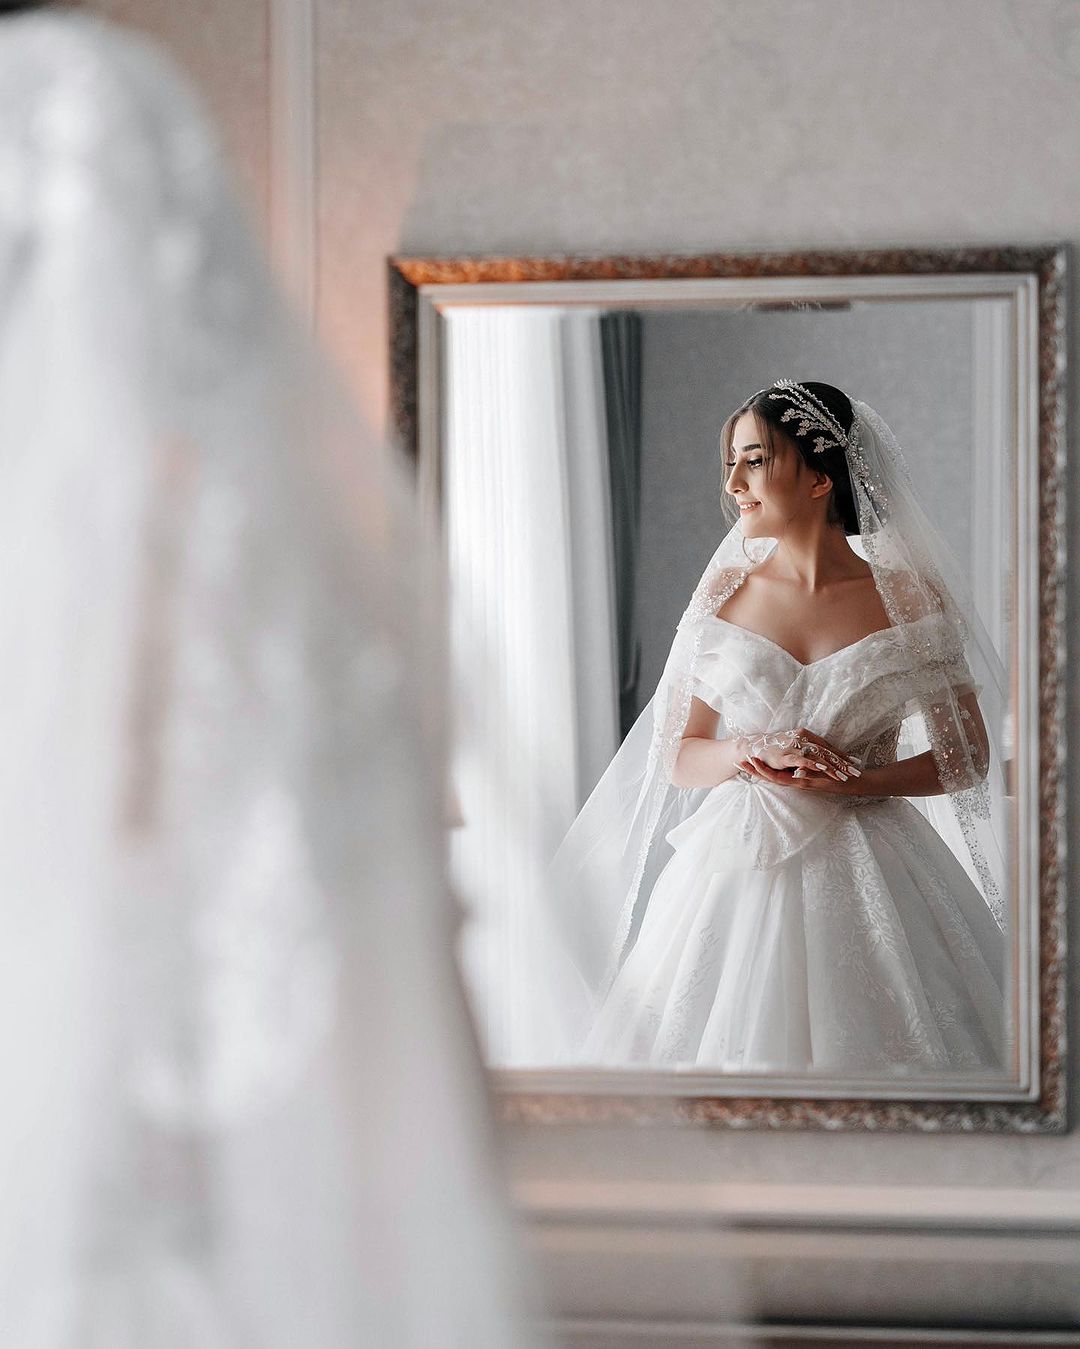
x=804, y=664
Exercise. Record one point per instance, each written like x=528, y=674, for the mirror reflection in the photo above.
x=732, y=590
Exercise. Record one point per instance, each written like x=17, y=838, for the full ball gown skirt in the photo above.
x=796, y=931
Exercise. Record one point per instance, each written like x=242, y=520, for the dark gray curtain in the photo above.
x=620, y=340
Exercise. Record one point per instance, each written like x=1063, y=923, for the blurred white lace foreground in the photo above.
x=242, y=1100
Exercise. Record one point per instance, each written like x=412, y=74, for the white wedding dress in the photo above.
x=795, y=931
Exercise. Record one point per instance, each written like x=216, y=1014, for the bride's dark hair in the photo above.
x=833, y=461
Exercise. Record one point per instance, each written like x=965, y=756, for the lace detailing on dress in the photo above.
x=881, y=750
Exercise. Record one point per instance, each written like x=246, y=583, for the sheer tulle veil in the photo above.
x=243, y=1104
x=605, y=868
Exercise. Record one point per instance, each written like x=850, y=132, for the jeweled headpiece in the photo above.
x=812, y=414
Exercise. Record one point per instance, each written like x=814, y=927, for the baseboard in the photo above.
x=615, y=1333
x=627, y=1259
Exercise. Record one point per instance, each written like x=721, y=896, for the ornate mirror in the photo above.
x=780, y=961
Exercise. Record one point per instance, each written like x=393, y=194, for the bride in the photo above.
x=752, y=886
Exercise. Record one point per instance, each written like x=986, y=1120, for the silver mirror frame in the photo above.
x=420, y=288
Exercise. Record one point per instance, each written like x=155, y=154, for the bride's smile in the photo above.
x=770, y=483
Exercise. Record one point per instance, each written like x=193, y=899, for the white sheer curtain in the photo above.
x=527, y=513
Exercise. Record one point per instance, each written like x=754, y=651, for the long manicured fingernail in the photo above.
x=855, y=772
x=842, y=776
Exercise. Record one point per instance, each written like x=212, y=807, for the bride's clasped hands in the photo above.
x=798, y=758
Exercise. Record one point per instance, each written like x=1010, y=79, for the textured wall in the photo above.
x=222, y=45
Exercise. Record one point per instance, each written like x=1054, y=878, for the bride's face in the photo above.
x=769, y=488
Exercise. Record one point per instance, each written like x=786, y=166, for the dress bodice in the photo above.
x=855, y=697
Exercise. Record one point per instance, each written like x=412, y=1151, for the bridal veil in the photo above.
x=242, y=1102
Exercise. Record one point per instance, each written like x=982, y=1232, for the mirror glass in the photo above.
x=570, y=434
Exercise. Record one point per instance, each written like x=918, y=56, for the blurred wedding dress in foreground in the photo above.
x=243, y=1105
